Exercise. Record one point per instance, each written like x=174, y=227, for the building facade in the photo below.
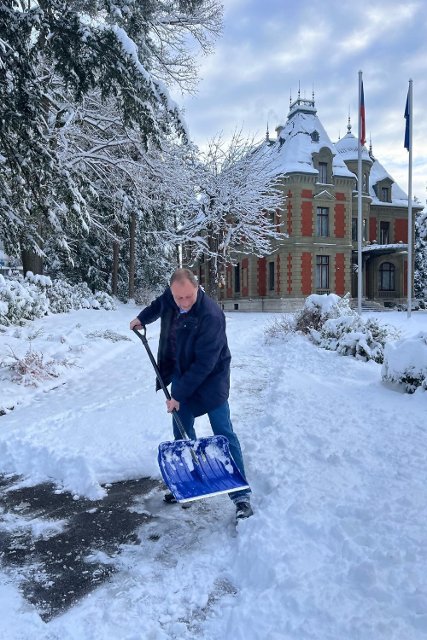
x=319, y=215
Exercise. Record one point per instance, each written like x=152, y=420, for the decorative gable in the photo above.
x=324, y=195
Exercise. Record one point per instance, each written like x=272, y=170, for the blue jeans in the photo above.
x=221, y=426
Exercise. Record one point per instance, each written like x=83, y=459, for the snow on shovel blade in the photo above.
x=214, y=472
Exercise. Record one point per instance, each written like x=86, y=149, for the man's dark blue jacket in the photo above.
x=200, y=368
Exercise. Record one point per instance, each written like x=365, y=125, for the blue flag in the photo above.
x=407, y=127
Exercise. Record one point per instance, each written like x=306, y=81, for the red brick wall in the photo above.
x=340, y=196
x=339, y=220
x=405, y=278
x=245, y=278
x=229, y=281
x=262, y=277
x=401, y=230
x=289, y=213
x=278, y=286
x=306, y=272
x=307, y=219
x=307, y=193
x=289, y=279
x=339, y=274
x=372, y=229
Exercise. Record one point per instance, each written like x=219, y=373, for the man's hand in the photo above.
x=172, y=404
x=135, y=324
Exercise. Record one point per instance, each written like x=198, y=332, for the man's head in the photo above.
x=184, y=287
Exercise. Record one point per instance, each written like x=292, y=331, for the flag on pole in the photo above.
x=407, y=126
x=362, y=116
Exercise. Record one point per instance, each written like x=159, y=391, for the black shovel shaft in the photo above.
x=142, y=335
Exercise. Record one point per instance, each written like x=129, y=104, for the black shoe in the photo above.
x=243, y=510
x=169, y=498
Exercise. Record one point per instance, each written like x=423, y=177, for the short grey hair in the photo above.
x=180, y=275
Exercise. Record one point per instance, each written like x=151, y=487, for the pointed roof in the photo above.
x=301, y=137
x=347, y=147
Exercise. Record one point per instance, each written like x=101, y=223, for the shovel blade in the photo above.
x=194, y=469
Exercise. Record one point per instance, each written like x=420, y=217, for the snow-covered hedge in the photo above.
x=20, y=301
x=354, y=336
x=405, y=363
x=332, y=324
x=34, y=296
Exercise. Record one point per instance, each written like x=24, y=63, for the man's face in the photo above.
x=184, y=293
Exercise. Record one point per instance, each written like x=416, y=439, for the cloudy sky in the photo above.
x=270, y=47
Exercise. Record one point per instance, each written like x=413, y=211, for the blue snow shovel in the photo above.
x=194, y=469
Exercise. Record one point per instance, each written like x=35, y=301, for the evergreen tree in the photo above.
x=52, y=54
x=420, y=272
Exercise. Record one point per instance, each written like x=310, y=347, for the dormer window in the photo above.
x=383, y=190
x=385, y=194
x=323, y=172
x=314, y=136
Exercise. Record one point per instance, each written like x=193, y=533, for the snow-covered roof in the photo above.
x=347, y=148
x=398, y=197
x=301, y=137
x=384, y=247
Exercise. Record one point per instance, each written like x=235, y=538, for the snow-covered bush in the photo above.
x=64, y=297
x=319, y=308
x=279, y=327
x=107, y=334
x=32, y=368
x=405, y=363
x=20, y=301
x=353, y=336
x=34, y=296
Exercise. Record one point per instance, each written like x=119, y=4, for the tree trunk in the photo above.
x=132, y=242
x=115, y=272
x=212, y=285
x=31, y=262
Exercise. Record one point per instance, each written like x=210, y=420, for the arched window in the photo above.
x=387, y=277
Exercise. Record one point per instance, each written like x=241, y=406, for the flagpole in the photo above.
x=410, y=232
x=359, y=204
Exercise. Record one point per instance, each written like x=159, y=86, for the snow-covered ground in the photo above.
x=337, y=461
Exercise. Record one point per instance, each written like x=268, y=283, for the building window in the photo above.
x=323, y=172
x=322, y=272
x=271, y=276
x=385, y=194
x=237, y=278
x=384, y=232
x=322, y=221
x=387, y=277
x=354, y=229
x=365, y=185
x=315, y=136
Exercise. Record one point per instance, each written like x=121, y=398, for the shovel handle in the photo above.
x=142, y=335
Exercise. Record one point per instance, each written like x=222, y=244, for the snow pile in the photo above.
x=33, y=297
x=405, y=363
